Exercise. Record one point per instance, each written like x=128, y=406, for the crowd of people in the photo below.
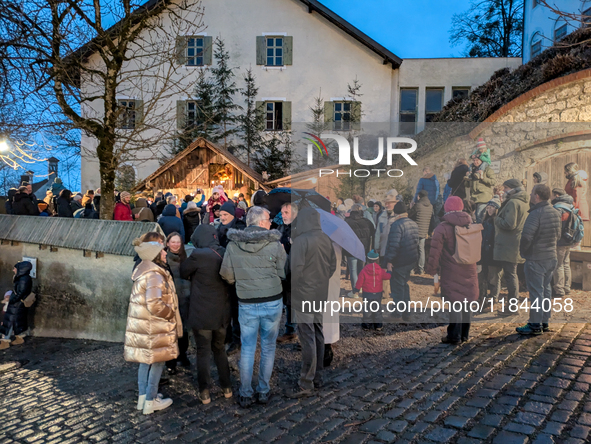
x=223, y=270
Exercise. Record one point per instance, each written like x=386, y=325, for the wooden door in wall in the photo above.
x=554, y=167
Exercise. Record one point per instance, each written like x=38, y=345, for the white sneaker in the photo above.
x=142, y=399
x=155, y=405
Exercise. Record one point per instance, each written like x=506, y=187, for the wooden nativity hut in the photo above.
x=203, y=165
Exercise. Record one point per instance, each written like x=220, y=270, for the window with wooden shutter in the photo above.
x=196, y=50
x=329, y=111
x=274, y=116
x=139, y=112
x=260, y=111
x=180, y=114
x=287, y=116
x=128, y=113
x=261, y=49
x=274, y=50
x=346, y=115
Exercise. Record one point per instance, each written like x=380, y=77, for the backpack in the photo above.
x=574, y=231
x=468, y=244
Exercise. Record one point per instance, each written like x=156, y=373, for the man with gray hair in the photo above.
x=255, y=262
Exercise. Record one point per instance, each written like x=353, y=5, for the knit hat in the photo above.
x=494, y=202
x=373, y=256
x=512, y=183
x=148, y=251
x=228, y=207
x=559, y=191
x=453, y=203
x=57, y=180
x=242, y=205
x=399, y=208
x=124, y=194
x=480, y=144
x=77, y=197
x=215, y=208
x=348, y=204
x=191, y=205
x=423, y=193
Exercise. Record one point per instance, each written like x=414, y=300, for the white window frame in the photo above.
x=195, y=56
x=274, y=48
x=434, y=88
x=129, y=115
x=342, y=124
x=535, y=41
x=560, y=24
x=274, y=121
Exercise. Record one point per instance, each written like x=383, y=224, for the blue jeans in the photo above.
x=353, y=270
x=538, y=276
x=261, y=317
x=148, y=377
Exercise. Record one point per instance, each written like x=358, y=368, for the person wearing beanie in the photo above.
x=508, y=227
x=191, y=219
x=57, y=186
x=482, y=153
x=481, y=182
x=489, y=277
x=123, y=208
x=153, y=322
x=169, y=222
x=228, y=221
x=422, y=214
x=402, y=254
x=218, y=197
x=370, y=282
x=459, y=282
x=540, y=178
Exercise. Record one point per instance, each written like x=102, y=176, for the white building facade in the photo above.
x=299, y=49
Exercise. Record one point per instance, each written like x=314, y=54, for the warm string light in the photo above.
x=16, y=155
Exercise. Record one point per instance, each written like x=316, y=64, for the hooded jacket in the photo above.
x=508, y=226
x=25, y=204
x=541, y=232
x=429, y=184
x=153, y=320
x=57, y=186
x=143, y=211
x=481, y=190
x=209, y=302
x=362, y=227
x=421, y=213
x=191, y=220
x=16, y=312
x=459, y=282
x=255, y=262
x=403, y=242
x=371, y=278
x=579, y=195
x=170, y=223
x=312, y=260
x=564, y=216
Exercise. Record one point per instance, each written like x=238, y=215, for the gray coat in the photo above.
x=421, y=213
x=255, y=261
x=540, y=233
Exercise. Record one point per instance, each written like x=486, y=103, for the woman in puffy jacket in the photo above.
x=459, y=282
x=153, y=322
x=15, y=318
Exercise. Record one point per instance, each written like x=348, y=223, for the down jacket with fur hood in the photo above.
x=153, y=319
x=255, y=261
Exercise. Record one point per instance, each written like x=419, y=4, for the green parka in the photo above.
x=481, y=190
x=508, y=227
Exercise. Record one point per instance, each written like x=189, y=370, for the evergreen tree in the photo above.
x=225, y=89
x=273, y=158
x=251, y=122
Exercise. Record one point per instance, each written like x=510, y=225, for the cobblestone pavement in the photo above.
x=497, y=387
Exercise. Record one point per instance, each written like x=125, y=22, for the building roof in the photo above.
x=388, y=56
x=37, y=185
x=201, y=143
x=105, y=236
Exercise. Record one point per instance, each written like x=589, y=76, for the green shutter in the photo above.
x=139, y=112
x=287, y=116
x=356, y=116
x=207, y=50
x=260, y=108
x=261, y=50
x=181, y=110
x=287, y=50
x=181, y=50
x=329, y=114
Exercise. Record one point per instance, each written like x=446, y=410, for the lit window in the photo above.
x=274, y=116
x=433, y=102
x=408, y=110
x=195, y=51
x=342, y=116
x=127, y=116
x=274, y=51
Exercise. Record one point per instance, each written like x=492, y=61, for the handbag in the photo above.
x=30, y=300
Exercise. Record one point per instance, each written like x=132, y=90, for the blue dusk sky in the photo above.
x=408, y=28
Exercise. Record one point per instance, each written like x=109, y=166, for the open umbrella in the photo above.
x=278, y=196
x=341, y=234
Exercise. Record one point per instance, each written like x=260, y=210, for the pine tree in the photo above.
x=274, y=156
x=225, y=89
x=251, y=121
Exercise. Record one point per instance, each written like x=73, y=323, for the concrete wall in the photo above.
x=77, y=296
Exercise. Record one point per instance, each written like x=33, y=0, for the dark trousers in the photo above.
x=399, y=288
x=459, y=325
x=209, y=341
x=290, y=324
x=233, y=330
x=510, y=274
x=371, y=316
x=312, y=342
x=183, y=347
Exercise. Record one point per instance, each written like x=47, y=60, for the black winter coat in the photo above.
x=63, y=207
x=285, y=230
x=10, y=200
x=312, y=259
x=209, y=303
x=16, y=313
x=363, y=229
x=402, y=247
x=422, y=213
x=25, y=204
x=182, y=286
x=540, y=233
x=96, y=204
x=236, y=224
x=488, y=242
x=456, y=181
x=191, y=220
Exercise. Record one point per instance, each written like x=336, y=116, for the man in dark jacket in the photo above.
x=157, y=198
x=422, y=213
x=402, y=254
x=456, y=179
x=191, y=219
x=562, y=275
x=364, y=230
x=313, y=262
x=289, y=212
x=15, y=318
x=10, y=200
x=170, y=223
x=538, y=246
x=24, y=204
